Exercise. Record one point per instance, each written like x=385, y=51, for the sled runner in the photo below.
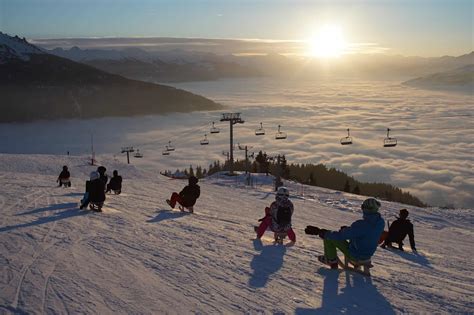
x=96, y=206
x=359, y=266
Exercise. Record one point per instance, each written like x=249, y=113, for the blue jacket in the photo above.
x=363, y=235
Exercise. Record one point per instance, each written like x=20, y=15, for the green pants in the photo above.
x=330, y=247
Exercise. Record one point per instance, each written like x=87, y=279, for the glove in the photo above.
x=311, y=230
x=322, y=233
x=260, y=220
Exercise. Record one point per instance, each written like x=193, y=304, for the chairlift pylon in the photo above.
x=170, y=147
x=204, y=141
x=347, y=140
x=214, y=129
x=260, y=131
x=280, y=135
x=388, y=141
x=138, y=154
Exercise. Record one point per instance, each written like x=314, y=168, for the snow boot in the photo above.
x=330, y=262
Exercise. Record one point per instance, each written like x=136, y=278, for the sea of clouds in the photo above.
x=433, y=158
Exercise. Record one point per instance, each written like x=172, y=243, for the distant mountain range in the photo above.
x=37, y=85
x=169, y=66
x=189, y=65
x=460, y=79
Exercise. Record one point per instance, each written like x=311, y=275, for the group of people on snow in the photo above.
x=358, y=242
x=96, y=186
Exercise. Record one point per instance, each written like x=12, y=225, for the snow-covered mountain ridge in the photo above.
x=139, y=257
x=16, y=48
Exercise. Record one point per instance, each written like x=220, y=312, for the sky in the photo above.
x=412, y=27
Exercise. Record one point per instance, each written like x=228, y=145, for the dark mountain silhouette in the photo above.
x=36, y=85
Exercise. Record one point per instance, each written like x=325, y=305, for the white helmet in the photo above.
x=283, y=191
x=94, y=175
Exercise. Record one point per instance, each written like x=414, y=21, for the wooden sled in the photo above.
x=359, y=266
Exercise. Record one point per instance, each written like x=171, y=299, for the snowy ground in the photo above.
x=139, y=257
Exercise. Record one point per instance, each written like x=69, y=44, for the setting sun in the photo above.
x=328, y=43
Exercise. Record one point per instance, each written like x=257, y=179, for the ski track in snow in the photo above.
x=141, y=257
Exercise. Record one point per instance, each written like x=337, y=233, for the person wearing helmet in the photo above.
x=63, y=178
x=95, y=192
x=357, y=242
x=398, y=230
x=278, y=215
x=115, y=183
x=187, y=197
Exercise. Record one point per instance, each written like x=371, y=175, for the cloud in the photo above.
x=436, y=165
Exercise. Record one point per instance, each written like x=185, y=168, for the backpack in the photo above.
x=283, y=216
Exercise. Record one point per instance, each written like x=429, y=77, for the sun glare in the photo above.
x=328, y=43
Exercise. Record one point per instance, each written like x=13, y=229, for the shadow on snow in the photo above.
x=359, y=296
x=71, y=211
x=168, y=215
x=268, y=261
x=51, y=207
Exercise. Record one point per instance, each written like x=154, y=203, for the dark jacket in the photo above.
x=96, y=190
x=189, y=195
x=64, y=174
x=115, y=183
x=363, y=235
x=399, y=229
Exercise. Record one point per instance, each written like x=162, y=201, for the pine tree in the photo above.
x=347, y=186
x=356, y=190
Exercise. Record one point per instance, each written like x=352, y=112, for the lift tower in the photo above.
x=233, y=118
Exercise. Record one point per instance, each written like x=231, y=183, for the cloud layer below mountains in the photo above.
x=433, y=158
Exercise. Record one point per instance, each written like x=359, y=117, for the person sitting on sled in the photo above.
x=95, y=192
x=63, y=178
x=187, y=197
x=357, y=242
x=398, y=230
x=103, y=176
x=115, y=183
x=278, y=215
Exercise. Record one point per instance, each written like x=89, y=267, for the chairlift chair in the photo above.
x=388, y=141
x=138, y=154
x=165, y=152
x=260, y=131
x=280, y=135
x=205, y=141
x=214, y=129
x=346, y=140
x=169, y=147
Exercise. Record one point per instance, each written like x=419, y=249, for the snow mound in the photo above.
x=140, y=257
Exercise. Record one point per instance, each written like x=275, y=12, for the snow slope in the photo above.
x=137, y=257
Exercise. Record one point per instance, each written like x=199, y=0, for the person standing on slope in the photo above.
x=398, y=230
x=278, y=215
x=187, y=197
x=357, y=242
x=64, y=177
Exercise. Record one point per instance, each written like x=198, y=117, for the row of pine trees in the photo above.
x=310, y=174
